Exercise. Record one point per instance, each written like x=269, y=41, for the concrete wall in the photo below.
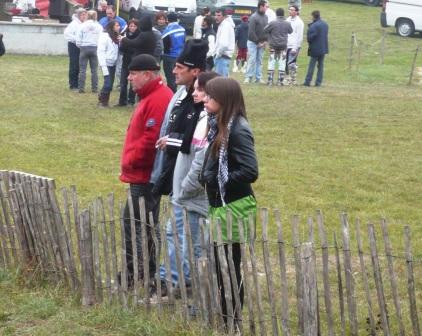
x=37, y=38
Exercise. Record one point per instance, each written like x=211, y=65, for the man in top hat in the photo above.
x=139, y=153
x=176, y=136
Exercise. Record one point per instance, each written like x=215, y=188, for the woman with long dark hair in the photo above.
x=230, y=166
x=107, y=52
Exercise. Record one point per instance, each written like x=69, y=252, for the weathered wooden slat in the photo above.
x=340, y=286
x=145, y=250
x=166, y=258
x=157, y=261
x=123, y=286
x=205, y=246
x=378, y=281
x=283, y=275
x=4, y=250
x=87, y=265
x=225, y=276
x=246, y=283
x=262, y=327
x=97, y=254
x=393, y=278
x=348, y=275
x=113, y=246
x=237, y=311
x=181, y=276
x=203, y=290
x=310, y=294
x=372, y=326
x=299, y=285
x=75, y=206
x=268, y=270
x=106, y=254
x=134, y=248
x=325, y=273
x=4, y=197
x=411, y=283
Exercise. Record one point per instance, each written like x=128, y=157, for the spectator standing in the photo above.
x=101, y=10
x=294, y=43
x=111, y=15
x=173, y=41
x=107, y=52
x=256, y=42
x=176, y=136
x=230, y=167
x=128, y=53
x=208, y=34
x=2, y=47
x=224, y=42
x=160, y=21
x=278, y=31
x=87, y=41
x=197, y=25
x=139, y=152
x=241, y=38
x=70, y=35
x=317, y=36
x=297, y=3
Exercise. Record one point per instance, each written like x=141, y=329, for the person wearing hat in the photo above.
x=176, y=134
x=139, y=152
x=173, y=41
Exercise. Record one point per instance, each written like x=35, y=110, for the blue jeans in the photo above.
x=319, y=60
x=255, y=55
x=222, y=65
x=109, y=80
x=193, y=218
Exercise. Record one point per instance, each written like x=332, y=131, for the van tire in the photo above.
x=373, y=3
x=405, y=27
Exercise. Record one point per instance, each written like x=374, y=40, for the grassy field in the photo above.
x=353, y=145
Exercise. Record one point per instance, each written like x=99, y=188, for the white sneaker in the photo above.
x=235, y=68
x=247, y=80
x=260, y=81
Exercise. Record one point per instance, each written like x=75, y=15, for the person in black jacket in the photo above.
x=230, y=166
x=131, y=34
x=318, y=47
x=2, y=48
x=241, y=38
x=145, y=42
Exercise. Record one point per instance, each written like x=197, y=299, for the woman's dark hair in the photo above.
x=160, y=15
x=226, y=92
x=205, y=77
x=134, y=21
x=109, y=28
x=208, y=20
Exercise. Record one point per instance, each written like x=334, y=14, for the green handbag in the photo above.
x=241, y=209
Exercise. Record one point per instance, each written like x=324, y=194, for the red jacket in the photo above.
x=144, y=128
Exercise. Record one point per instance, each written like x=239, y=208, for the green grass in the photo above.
x=354, y=145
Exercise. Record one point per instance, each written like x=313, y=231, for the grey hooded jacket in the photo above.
x=278, y=31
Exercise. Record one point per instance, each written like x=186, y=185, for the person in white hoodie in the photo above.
x=294, y=43
x=87, y=41
x=70, y=34
x=224, y=43
x=107, y=52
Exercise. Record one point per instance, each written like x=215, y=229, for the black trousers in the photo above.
x=73, y=52
x=152, y=204
x=236, y=260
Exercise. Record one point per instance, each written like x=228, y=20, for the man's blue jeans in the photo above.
x=193, y=218
x=319, y=61
x=222, y=65
x=255, y=55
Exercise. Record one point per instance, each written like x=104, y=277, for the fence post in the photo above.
x=411, y=283
x=352, y=43
x=340, y=286
x=412, y=71
x=87, y=263
x=310, y=296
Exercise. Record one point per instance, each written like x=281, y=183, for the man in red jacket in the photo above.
x=139, y=153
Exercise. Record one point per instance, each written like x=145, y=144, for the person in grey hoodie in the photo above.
x=278, y=31
x=257, y=39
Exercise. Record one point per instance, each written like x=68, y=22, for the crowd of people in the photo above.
x=188, y=137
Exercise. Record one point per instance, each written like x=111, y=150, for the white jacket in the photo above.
x=295, y=39
x=224, y=41
x=71, y=30
x=197, y=27
x=107, y=51
x=88, y=34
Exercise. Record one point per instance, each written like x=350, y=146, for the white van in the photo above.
x=405, y=15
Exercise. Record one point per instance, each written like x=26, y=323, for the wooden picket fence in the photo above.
x=321, y=285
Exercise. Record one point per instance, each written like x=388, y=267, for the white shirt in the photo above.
x=107, y=51
x=71, y=30
x=295, y=39
x=197, y=25
x=88, y=34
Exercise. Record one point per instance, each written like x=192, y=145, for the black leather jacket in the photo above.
x=242, y=166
